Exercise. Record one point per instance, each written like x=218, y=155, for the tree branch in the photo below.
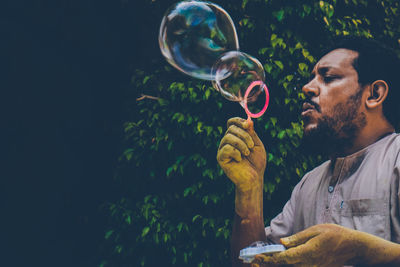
x=147, y=96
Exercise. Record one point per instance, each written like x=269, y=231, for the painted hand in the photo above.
x=332, y=245
x=242, y=155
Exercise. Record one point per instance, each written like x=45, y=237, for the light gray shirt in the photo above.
x=359, y=191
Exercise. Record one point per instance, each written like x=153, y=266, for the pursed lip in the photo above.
x=307, y=108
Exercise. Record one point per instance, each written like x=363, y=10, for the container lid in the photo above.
x=247, y=254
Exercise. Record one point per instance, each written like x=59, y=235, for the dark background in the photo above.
x=66, y=66
x=65, y=78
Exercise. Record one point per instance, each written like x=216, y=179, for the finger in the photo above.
x=239, y=122
x=257, y=261
x=227, y=153
x=247, y=126
x=242, y=134
x=236, y=121
x=236, y=142
x=263, y=258
x=267, y=260
x=299, y=238
x=293, y=255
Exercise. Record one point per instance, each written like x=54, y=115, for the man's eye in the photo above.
x=328, y=79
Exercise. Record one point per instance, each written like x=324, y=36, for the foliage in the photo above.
x=176, y=205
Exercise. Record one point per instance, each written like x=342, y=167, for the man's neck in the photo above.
x=366, y=137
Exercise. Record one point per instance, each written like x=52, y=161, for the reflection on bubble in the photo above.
x=194, y=34
x=234, y=72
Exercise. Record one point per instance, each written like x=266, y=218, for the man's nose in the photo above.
x=310, y=89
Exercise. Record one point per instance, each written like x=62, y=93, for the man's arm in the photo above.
x=248, y=225
x=242, y=156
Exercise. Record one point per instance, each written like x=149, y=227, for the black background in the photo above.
x=65, y=68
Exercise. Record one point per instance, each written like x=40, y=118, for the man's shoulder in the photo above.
x=393, y=147
x=390, y=140
x=395, y=141
x=388, y=146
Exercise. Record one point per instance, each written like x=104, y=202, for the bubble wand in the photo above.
x=246, y=95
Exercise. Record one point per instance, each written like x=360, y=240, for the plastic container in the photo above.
x=259, y=247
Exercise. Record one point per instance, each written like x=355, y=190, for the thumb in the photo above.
x=249, y=126
x=299, y=238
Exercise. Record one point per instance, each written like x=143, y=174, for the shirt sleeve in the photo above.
x=395, y=202
x=282, y=225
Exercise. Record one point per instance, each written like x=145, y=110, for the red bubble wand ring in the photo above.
x=259, y=114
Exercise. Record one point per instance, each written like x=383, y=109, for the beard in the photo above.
x=334, y=134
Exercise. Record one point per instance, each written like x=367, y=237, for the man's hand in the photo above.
x=242, y=155
x=333, y=245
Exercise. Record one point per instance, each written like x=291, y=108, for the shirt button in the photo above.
x=330, y=189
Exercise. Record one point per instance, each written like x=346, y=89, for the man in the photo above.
x=347, y=210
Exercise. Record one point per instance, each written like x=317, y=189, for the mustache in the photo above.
x=315, y=105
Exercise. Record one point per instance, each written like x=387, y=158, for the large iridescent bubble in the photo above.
x=194, y=34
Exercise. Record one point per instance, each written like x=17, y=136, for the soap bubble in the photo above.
x=237, y=73
x=234, y=72
x=194, y=34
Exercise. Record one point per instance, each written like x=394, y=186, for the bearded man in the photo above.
x=347, y=210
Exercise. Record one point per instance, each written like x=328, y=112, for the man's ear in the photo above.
x=377, y=93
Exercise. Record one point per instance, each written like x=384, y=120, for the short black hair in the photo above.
x=375, y=61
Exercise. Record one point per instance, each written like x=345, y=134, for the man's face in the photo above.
x=331, y=110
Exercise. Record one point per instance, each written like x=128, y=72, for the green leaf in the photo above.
x=331, y=11
x=187, y=191
x=145, y=231
x=279, y=15
x=273, y=120
x=279, y=64
x=305, y=53
x=307, y=9
x=179, y=227
x=303, y=66
x=118, y=249
x=268, y=68
x=108, y=234
x=128, y=154
x=165, y=238
x=169, y=170
x=207, y=93
x=281, y=134
x=199, y=125
x=196, y=217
